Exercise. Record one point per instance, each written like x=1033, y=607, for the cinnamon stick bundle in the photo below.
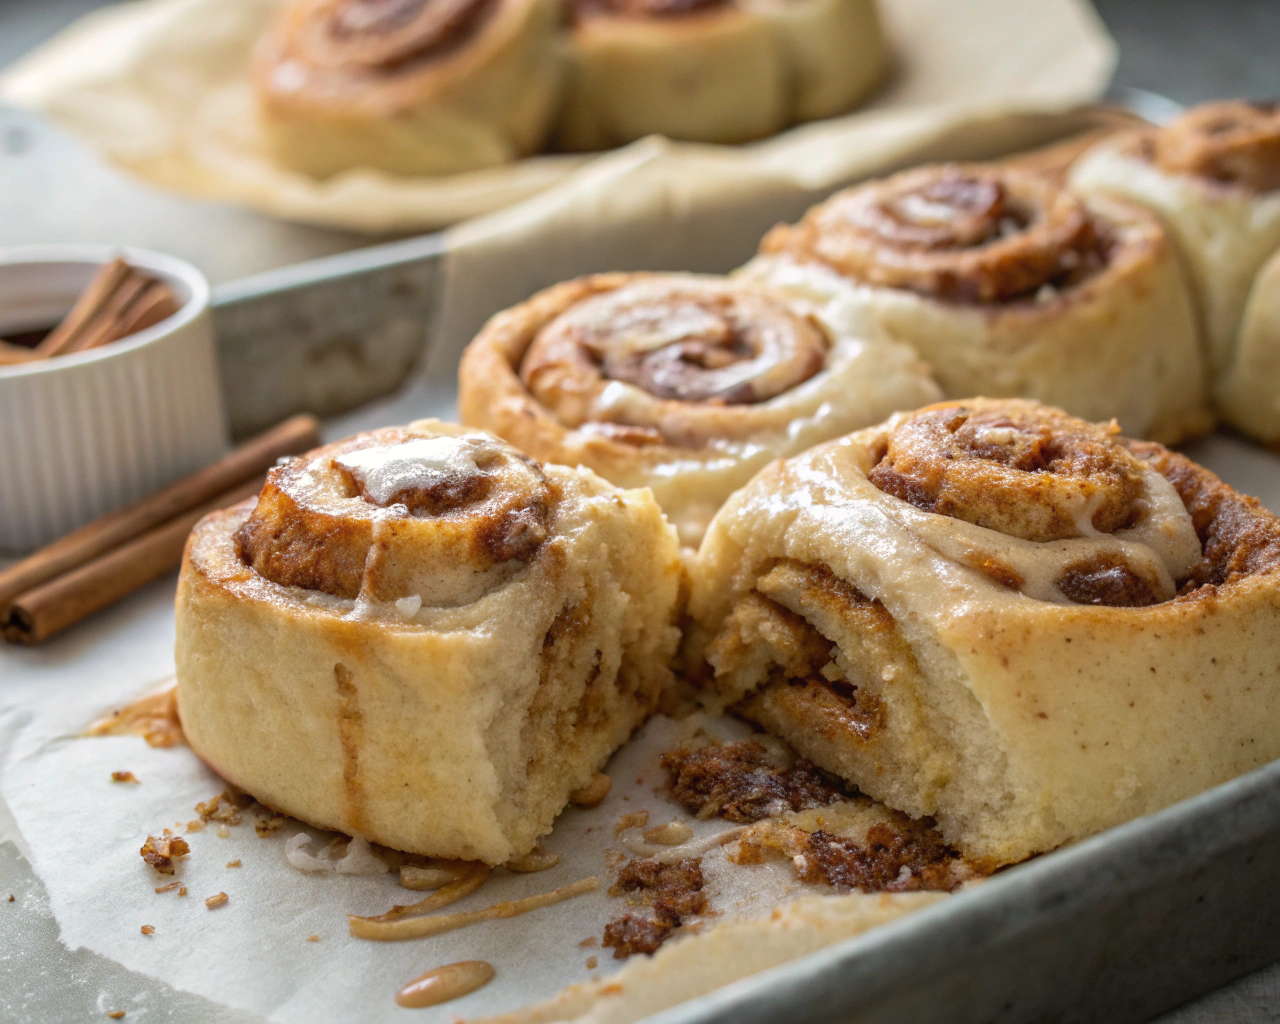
x=110, y=558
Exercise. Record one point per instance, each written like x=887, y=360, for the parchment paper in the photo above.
x=160, y=88
x=82, y=832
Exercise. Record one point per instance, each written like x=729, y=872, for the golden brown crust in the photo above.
x=382, y=33
x=957, y=232
x=1233, y=143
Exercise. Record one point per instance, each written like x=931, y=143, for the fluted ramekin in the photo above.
x=85, y=433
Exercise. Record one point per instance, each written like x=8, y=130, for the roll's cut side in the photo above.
x=413, y=87
x=995, y=614
x=1009, y=285
x=421, y=637
x=681, y=383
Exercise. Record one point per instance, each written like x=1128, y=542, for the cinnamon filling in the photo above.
x=389, y=33
x=1023, y=470
x=1235, y=143
x=673, y=891
x=964, y=233
x=1106, y=580
x=738, y=782
x=393, y=510
x=675, y=340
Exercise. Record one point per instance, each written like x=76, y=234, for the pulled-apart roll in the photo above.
x=424, y=638
x=1010, y=285
x=722, y=71
x=1213, y=177
x=408, y=86
x=681, y=383
x=996, y=614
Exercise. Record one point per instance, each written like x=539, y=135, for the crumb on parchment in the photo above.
x=115, y=1014
x=233, y=863
x=161, y=851
x=216, y=900
x=592, y=963
x=313, y=938
x=123, y=777
x=168, y=888
x=148, y=929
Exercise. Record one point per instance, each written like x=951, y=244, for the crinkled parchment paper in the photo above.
x=81, y=832
x=160, y=88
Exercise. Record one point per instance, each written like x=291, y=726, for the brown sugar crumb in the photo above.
x=592, y=963
x=266, y=827
x=123, y=777
x=216, y=900
x=674, y=891
x=161, y=852
x=906, y=856
x=224, y=832
x=10, y=897
x=168, y=888
x=636, y=819
x=738, y=782
x=195, y=825
x=148, y=929
x=588, y=942
x=313, y=938
x=182, y=891
x=224, y=807
x=233, y=863
x=115, y=1014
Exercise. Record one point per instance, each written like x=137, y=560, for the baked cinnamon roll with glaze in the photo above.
x=1248, y=392
x=424, y=638
x=1011, y=286
x=1213, y=177
x=682, y=383
x=408, y=86
x=990, y=612
x=722, y=71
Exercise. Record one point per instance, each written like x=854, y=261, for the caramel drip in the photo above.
x=385, y=33
x=717, y=344
x=154, y=717
x=1235, y=143
x=443, y=984
x=1018, y=468
x=957, y=232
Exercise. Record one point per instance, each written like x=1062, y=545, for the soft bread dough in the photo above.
x=485, y=101
x=938, y=664
x=1224, y=234
x=699, y=452
x=1248, y=393
x=727, y=74
x=1122, y=343
x=486, y=667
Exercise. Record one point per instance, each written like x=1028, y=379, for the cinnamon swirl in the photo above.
x=682, y=383
x=407, y=86
x=1213, y=177
x=424, y=638
x=1009, y=285
x=1020, y=623
x=722, y=71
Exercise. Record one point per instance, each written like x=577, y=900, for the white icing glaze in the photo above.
x=386, y=470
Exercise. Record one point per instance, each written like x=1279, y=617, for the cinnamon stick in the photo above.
x=40, y=613
x=294, y=435
x=104, y=283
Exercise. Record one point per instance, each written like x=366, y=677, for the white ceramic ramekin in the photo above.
x=85, y=433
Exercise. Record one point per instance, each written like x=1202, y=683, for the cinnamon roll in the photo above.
x=1248, y=391
x=990, y=612
x=722, y=71
x=1010, y=285
x=408, y=86
x=1213, y=177
x=424, y=638
x=682, y=383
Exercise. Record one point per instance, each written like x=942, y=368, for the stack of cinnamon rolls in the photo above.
x=1020, y=616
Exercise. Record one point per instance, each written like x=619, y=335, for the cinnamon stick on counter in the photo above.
x=49, y=578
x=50, y=608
